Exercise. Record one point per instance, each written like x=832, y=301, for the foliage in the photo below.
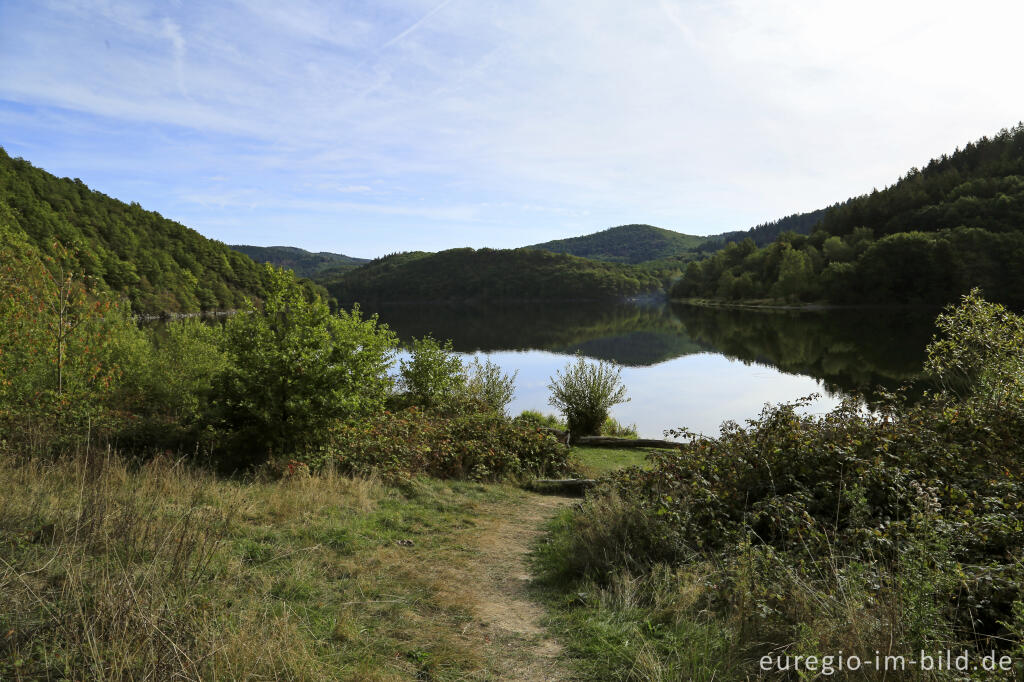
x=766, y=233
x=478, y=446
x=978, y=350
x=929, y=238
x=158, y=264
x=63, y=349
x=433, y=376
x=612, y=427
x=487, y=275
x=536, y=419
x=584, y=392
x=487, y=384
x=295, y=369
x=303, y=263
x=626, y=244
x=899, y=527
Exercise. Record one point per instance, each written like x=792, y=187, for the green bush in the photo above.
x=64, y=350
x=434, y=375
x=294, y=370
x=488, y=385
x=479, y=446
x=584, y=392
x=612, y=427
x=536, y=419
x=168, y=390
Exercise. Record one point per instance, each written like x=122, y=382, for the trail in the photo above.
x=496, y=586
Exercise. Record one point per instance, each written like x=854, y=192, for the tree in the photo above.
x=796, y=274
x=584, y=393
x=63, y=348
x=433, y=375
x=294, y=370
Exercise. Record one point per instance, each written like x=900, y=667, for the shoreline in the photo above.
x=800, y=307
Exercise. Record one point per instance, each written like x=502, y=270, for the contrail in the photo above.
x=417, y=24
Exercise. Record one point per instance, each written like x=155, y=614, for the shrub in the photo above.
x=536, y=419
x=64, y=350
x=488, y=385
x=434, y=375
x=977, y=350
x=612, y=427
x=168, y=390
x=479, y=446
x=294, y=370
x=584, y=392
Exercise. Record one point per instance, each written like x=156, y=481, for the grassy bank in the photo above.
x=166, y=571
x=111, y=571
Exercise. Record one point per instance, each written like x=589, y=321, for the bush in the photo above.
x=584, y=393
x=612, y=427
x=64, y=351
x=168, y=391
x=536, y=419
x=479, y=446
x=977, y=350
x=434, y=375
x=488, y=385
x=294, y=370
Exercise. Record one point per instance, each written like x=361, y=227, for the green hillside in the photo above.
x=626, y=244
x=937, y=232
x=766, y=233
x=486, y=275
x=160, y=265
x=303, y=263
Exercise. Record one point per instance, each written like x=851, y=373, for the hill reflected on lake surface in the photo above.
x=849, y=350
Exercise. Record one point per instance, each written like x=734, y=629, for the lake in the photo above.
x=686, y=366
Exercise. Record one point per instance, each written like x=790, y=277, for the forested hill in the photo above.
x=766, y=233
x=937, y=232
x=160, y=265
x=626, y=244
x=303, y=263
x=486, y=275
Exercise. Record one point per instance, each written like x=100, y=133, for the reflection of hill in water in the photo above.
x=636, y=335
x=637, y=349
x=849, y=350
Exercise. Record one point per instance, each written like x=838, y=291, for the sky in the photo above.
x=367, y=128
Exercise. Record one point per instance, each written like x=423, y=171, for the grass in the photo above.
x=597, y=461
x=160, y=572
x=650, y=627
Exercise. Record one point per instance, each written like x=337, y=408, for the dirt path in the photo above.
x=498, y=589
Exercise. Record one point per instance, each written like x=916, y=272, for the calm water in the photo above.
x=685, y=366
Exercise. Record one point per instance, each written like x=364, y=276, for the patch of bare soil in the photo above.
x=497, y=590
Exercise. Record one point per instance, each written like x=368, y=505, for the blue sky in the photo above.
x=371, y=127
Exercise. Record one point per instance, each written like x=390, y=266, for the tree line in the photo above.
x=159, y=265
x=936, y=233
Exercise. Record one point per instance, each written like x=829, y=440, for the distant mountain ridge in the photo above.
x=625, y=244
x=486, y=275
x=303, y=263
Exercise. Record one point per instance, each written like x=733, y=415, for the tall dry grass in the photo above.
x=112, y=572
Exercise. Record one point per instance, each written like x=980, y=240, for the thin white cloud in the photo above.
x=173, y=33
x=696, y=115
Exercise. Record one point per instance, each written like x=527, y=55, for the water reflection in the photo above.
x=851, y=350
x=686, y=366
